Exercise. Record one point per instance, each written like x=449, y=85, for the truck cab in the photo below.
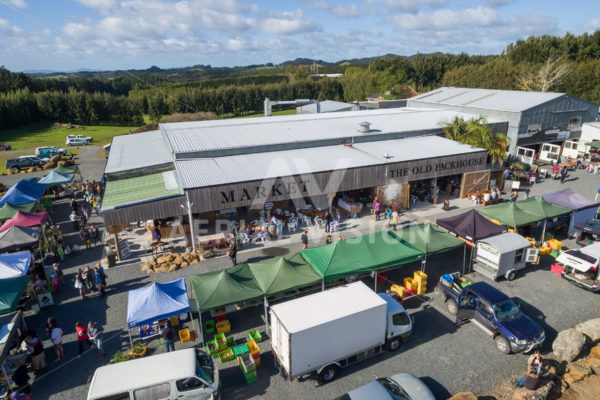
x=399, y=323
x=495, y=313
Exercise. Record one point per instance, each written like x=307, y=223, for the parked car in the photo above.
x=87, y=139
x=492, y=311
x=17, y=164
x=75, y=141
x=402, y=386
x=47, y=152
x=4, y=146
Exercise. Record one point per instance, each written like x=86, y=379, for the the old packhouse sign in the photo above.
x=437, y=168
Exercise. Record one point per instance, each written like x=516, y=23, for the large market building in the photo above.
x=533, y=117
x=233, y=166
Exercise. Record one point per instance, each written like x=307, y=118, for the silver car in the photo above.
x=401, y=386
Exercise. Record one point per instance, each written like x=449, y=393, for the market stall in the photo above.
x=8, y=211
x=25, y=219
x=56, y=179
x=350, y=206
x=22, y=192
x=150, y=306
x=12, y=328
x=360, y=255
x=544, y=209
x=584, y=209
x=64, y=170
x=19, y=237
x=503, y=255
x=429, y=239
x=510, y=214
x=11, y=290
x=471, y=226
x=14, y=264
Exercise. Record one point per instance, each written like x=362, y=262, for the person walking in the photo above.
x=377, y=207
x=395, y=218
x=75, y=220
x=82, y=337
x=304, y=239
x=60, y=276
x=95, y=234
x=157, y=234
x=563, y=174
x=95, y=331
x=74, y=205
x=168, y=337
x=90, y=279
x=56, y=337
x=38, y=356
x=100, y=279
x=327, y=218
x=84, y=233
x=233, y=251
x=80, y=283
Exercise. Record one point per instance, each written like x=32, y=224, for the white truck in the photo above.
x=78, y=140
x=326, y=331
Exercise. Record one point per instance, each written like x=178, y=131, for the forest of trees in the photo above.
x=126, y=99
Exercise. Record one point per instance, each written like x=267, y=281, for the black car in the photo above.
x=16, y=164
x=4, y=146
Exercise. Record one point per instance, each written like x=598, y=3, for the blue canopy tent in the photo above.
x=22, y=192
x=157, y=302
x=56, y=179
x=14, y=264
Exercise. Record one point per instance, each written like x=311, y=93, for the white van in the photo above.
x=525, y=155
x=182, y=374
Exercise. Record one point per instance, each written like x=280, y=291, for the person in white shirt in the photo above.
x=56, y=337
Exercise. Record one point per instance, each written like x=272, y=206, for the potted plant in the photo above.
x=435, y=199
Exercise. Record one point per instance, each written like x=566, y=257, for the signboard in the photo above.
x=125, y=251
x=488, y=252
x=268, y=205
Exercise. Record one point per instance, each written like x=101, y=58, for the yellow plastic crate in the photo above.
x=223, y=326
x=409, y=284
x=399, y=290
x=253, y=347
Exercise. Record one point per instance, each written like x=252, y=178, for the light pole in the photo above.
x=188, y=208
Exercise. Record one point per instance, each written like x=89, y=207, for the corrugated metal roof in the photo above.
x=202, y=172
x=141, y=189
x=492, y=99
x=228, y=135
x=326, y=106
x=137, y=150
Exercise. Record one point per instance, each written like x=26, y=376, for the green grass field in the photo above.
x=25, y=139
x=282, y=112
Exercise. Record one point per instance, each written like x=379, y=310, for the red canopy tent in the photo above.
x=25, y=219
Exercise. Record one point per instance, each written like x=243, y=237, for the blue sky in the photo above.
x=114, y=34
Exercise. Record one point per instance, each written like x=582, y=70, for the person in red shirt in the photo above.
x=82, y=336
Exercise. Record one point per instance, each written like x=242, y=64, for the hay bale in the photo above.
x=32, y=169
x=49, y=165
x=173, y=267
x=183, y=264
x=23, y=172
x=63, y=163
x=55, y=158
x=194, y=261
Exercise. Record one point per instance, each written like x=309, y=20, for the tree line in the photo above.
x=126, y=99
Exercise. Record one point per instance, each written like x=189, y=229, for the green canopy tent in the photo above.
x=544, y=209
x=282, y=274
x=7, y=211
x=595, y=144
x=429, y=239
x=510, y=214
x=222, y=288
x=11, y=290
x=63, y=170
x=56, y=179
x=372, y=252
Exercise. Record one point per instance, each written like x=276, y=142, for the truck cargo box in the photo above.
x=316, y=330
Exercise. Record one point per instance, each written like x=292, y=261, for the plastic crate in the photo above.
x=556, y=269
x=230, y=341
x=209, y=326
x=223, y=326
x=255, y=336
x=220, y=338
x=408, y=283
x=253, y=347
x=399, y=290
x=213, y=348
x=246, y=362
x=241, y=349
x=226, y=355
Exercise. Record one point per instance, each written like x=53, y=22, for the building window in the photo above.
x=533, y=129
x=574, y=123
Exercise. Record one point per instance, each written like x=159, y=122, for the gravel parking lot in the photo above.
x=449, y=359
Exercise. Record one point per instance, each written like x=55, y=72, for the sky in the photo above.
x=67, y=35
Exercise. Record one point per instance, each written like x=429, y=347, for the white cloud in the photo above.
x=591, y=26
x=409, y=5
x=6, y=29
x=445, y=19
x=288, y=23
x=345, y=10
x=14, y=3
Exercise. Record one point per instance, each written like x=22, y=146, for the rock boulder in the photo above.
x=590, y=328
x=568, y=345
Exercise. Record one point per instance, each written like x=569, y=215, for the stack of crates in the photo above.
x=221, y=341
x=420, y=282
x=241, y=349
x=254, y=352
x=248, y=367
x=212, y=347
x=226, y=355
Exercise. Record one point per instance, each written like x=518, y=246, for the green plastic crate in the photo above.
x=213, y=348
x=220, y=338
x=255, y=335
x=209, y=326
x=226, y=355
x=230, y=341
x=241, y=349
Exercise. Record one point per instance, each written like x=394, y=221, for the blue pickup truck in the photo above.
x=493, y=311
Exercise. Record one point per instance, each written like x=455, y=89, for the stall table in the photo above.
x=350, y=206
x=211, y=241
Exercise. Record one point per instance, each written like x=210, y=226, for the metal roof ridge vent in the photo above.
x=365, y=127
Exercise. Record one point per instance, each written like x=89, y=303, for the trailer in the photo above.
x=550, y=153
x=581, y=266
x=526, y=155
x=326, y=331
x=503, y=255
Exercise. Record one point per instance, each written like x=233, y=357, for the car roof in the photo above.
x=485, y=291
x=415, y=388
x=370, y=391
